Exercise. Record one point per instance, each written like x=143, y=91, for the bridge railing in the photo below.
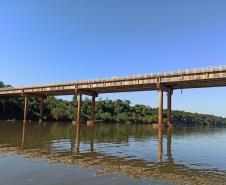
x=150, y=75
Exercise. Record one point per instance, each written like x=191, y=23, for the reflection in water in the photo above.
x=124, y=149
x=77, y=140
x=91, y=129
x=160, y=145
x=169, y=150
x=23, y=134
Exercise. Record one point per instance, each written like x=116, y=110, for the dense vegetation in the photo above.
x=106, y=110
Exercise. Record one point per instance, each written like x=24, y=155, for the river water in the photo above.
x=57, y=154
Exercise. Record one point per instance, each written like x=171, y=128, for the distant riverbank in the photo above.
x=106, y=111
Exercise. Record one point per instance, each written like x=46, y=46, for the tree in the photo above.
x=2, y=84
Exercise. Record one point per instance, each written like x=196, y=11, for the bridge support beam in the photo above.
x=25, y=108
x=79, y=106
x=41, y=110
x=169, y=101
x=160, y=112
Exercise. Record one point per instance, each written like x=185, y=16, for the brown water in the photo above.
x=51, y=153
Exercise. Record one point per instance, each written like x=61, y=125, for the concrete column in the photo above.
x=93, y=109
x=169, y=96
x=41, y=109
x=3, y=105
x=92, y=121
x=160, y=116
x=79, y=106
x=78, y=121
x=75, y=115
x=25, y=108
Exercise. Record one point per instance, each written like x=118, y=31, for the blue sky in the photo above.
x=48, y=41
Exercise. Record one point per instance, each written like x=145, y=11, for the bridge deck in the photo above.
x=196, y=78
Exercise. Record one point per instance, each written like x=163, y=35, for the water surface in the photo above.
x=55, y=153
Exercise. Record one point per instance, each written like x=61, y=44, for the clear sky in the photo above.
x=48, y=41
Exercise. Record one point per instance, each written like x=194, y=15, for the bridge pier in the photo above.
x=92, y=121
x=78, y=121
x=169, y=101
x=41, y=110
x=3, y=105
x=160, y=111
x=25, y=108
x=79, y=106
x=93, y=108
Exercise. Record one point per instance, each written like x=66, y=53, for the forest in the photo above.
x=117, y=111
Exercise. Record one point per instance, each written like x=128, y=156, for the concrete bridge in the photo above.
x=161, y=82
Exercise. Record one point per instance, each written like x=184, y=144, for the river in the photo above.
x=56, y=154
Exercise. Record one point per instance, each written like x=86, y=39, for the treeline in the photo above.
x=106, y=110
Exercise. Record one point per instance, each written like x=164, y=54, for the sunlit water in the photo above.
x=55, y=153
